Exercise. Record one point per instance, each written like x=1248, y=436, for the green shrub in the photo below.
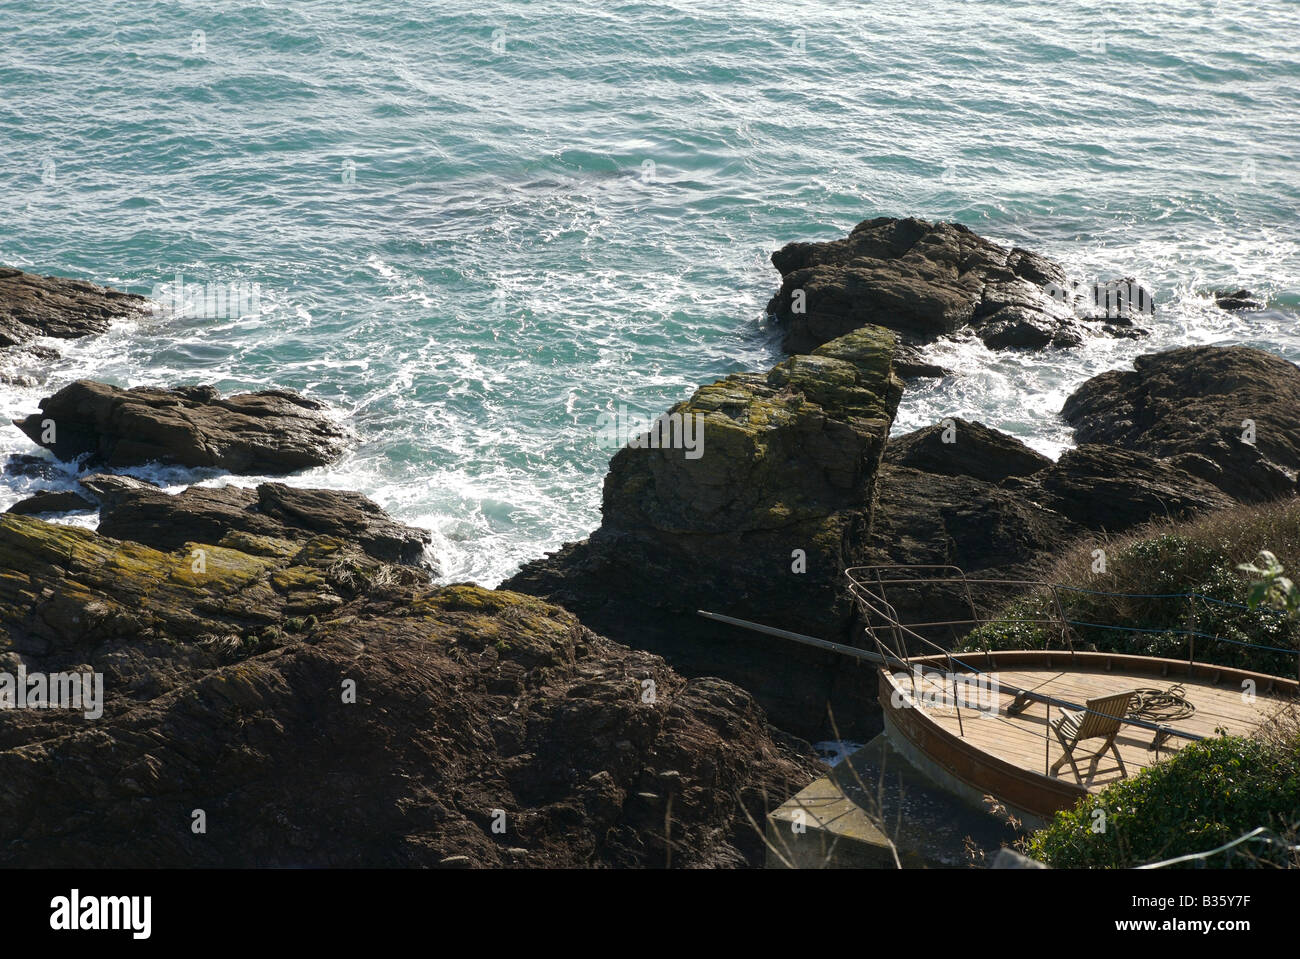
x=1206, y=795
x=1126, y=609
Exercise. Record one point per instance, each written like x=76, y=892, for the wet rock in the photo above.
x=910, y=363
x=32, y=306
x=272, y=431
x=29, y=466
x=926, y=280
x=109, y=490
x=1239, y=299
x=215, y=699
x=136, y=511
x=1226, y=415
x=51, y=502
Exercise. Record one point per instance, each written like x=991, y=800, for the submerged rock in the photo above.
x=1240, y=299
x=32, y=306
x=1225, y=414
x=926, y=280
x=761, y=527
x=910, y=363
x=272, y=431
x=323, y=709
x=142, y=513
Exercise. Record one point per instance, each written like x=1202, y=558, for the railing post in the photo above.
x=1060, y=613
x=956, y=699
x=1191, y=632
x=893, y=619
x=970, y=600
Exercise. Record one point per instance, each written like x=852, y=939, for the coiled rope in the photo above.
x=1160, y=705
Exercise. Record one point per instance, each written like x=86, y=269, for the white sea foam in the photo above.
x=499, y=270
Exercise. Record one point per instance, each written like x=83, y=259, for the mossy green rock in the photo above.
x=326, y=709
x=760, y=525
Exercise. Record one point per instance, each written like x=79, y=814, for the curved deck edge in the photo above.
x=1034, y=798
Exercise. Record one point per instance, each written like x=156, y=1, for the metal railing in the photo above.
x=880, y=613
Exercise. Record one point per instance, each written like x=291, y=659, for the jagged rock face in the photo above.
x=964, y=448
x=142, y=513
x=271, y=431
x=1191, y=405
x=467, y=702
x=761, y=526
x=797, y=444
x=997, y=510
x=1108, y=489
x=32, y=306
x=926, y=280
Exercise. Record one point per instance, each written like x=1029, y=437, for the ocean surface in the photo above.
x=475, y=227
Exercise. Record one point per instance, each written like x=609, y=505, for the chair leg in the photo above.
x=1073, y=765
x=1066, y=756
x=1123, y=770
x=1094, y=761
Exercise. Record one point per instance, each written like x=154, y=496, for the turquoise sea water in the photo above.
x=476, y=227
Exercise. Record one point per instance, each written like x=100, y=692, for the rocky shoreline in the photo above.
x=278, y=658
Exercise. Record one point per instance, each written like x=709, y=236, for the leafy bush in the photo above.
x=1127, y=609
x=1206, y=795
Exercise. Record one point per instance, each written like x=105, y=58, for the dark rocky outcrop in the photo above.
x=226, y=691
x=761, y=526
x=136, y=511
x=32, y=306
x=671, y=542
x=49, y=501
x=962, y=448
x=1111, y=490
x=1239, y=299
x=926, y=280
x=998, y=510
x=1228, y=415
x=958, y=511
x=271, y=432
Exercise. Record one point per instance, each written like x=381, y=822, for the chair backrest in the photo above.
x=1104, y=715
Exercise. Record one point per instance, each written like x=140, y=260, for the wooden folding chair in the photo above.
x=1101, y=720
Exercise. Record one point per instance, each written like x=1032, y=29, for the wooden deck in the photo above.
x=1008, y=755
x=1025, y=740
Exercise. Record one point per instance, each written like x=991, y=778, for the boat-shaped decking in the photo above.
x=1008, y=754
